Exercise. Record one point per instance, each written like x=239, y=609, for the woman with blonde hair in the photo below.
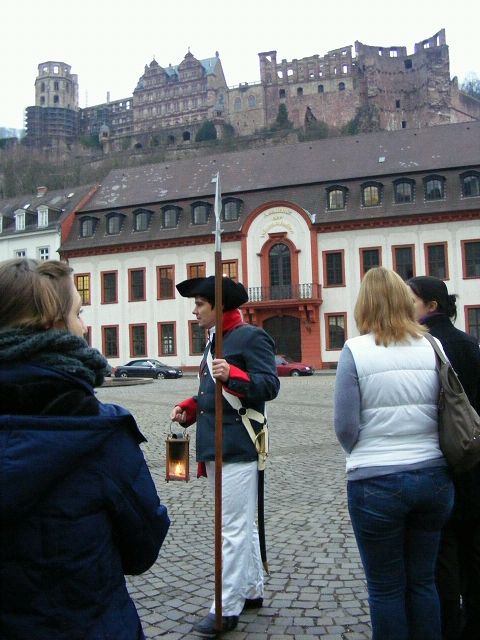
x=400, y=493
x=78, y=507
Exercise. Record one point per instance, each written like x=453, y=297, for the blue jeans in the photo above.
x=397, y=520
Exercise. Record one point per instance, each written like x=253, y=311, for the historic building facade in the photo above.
x=301, y=225
x=169, y=104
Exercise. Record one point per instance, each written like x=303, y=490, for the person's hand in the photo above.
x=220, y=369
x=178, y=415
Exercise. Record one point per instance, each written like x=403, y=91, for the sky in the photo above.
x=107, y=43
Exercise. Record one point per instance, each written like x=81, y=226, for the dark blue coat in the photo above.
x=78, y=510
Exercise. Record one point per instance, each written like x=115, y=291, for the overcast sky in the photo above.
x=108, y=42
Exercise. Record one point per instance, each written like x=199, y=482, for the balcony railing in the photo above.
x=308, y=291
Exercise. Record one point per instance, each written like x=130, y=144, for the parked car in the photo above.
x=288, y=367
x=147, y=368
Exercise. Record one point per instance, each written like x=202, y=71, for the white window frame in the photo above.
x=43, y=253
x=19, y=220
x=42, y=212
x=20, y=253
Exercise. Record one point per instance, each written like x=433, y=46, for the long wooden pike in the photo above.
x=218, y=405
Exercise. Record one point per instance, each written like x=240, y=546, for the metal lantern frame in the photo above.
x=177, y=456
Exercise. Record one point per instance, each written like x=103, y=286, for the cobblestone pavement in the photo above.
x=316, y=587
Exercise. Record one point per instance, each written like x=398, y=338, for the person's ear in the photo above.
x=432, y=306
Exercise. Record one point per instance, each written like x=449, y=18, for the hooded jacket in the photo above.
x=78, y=510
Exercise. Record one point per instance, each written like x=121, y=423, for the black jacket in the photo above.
x=464, y=354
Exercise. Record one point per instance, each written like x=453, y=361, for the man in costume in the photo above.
x=248, y=373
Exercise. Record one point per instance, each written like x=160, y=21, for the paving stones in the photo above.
x=316, y=588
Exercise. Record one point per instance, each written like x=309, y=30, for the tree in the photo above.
x=471, y=85
x=206, y=132
x=366, y=120
x=282, y=121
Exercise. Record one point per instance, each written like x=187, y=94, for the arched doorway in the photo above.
x=280, y=272
x=285, y=330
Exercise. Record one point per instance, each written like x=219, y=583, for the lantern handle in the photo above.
x=174, y=435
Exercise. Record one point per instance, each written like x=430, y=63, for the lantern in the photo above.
x=177, y=456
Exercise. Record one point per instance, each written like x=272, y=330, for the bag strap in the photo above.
x=438, y=352
x=260, y=439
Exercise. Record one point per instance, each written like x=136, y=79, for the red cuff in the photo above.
x=239, y=374
x=190, y=408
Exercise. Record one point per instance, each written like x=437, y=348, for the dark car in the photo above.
x=147, y=368
x=288, y=367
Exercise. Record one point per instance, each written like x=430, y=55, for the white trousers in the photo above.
x=242, y=571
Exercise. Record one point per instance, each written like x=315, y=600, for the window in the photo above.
x=470, y=185
x=333, y=271
x=20, y=221
x=136, y=285
x=335, y=331
x=320, y=88
x=281, y=93
x=471, y=258
x=369, y=258
x=336, y=197
x=252, y=102
x=231, y=209
x=397, y=104
x=141, y=220
x=341, y=86
x=280, y=271
x=472, y=321
x=237, y=104
x=434, y=188
x=20, y=253
x=43, y=253
x=114, y=224
x=196, y=270
x=436, y=260
x=403, y=191
x=82, y=283
x=403, y=262
x=87, y=227
x=109, y=281
x=42, y=216
x=166, y=339
x=371, y=195
x=1, y=224
x=165, y=282
x=299, y=91
x=407, y=64
x=170, y=217
x=138, y=340
x=199, y=213
x=230, y=269
x=197, y=338
x=110, y=341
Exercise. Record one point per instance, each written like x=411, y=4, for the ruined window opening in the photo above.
x=56, y=99
x=289, y=72
x=55, y=85
x=280, y=74
x=344, y=68
x=408, y=64
x=341, y=86
x=320, y=88
x=397, y=104
x=186, y=135
x=281, y=93
x=299, y=91
x=380, y=52
x=404, y=124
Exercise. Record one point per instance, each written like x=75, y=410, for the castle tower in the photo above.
x=55, y=86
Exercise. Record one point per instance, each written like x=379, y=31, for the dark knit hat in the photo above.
x=234, y=293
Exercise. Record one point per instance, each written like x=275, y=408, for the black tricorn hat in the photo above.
x=234, y=293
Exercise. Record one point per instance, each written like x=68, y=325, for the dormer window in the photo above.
x=200, y=213
x=336, y=198
x=114, y=223
x=87, y=227
x=371, y=194
x=404, y=191
x=470, y=184
x=141, y=219
x=170, y=217
x=19, y=220
x=434, y=187
x=42, y=216
x=231, y=209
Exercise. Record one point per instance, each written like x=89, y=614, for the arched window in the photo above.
x=87, y=227
x=320, y=88
x=434, y=187
x=170, y=217
x=114, y=223
x=186, y=136
x=200, y=213
x=237, y=104
x=251, y=102
x=280, y=271
x=470, y=184
x=371, y=194
x=336, y=198
x=231, y=209
x=141, y=220
x=299, y=91
x=404, y=191
x=341, y=86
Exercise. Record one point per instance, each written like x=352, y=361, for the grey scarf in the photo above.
x=59, y=350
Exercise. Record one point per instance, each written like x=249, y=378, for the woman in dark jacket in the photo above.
x=458, y=567
x=78, y=507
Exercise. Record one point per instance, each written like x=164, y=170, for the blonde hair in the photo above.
x=384, y=307
x=34, y=294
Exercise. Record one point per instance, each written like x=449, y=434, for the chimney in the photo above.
x=41, y=191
